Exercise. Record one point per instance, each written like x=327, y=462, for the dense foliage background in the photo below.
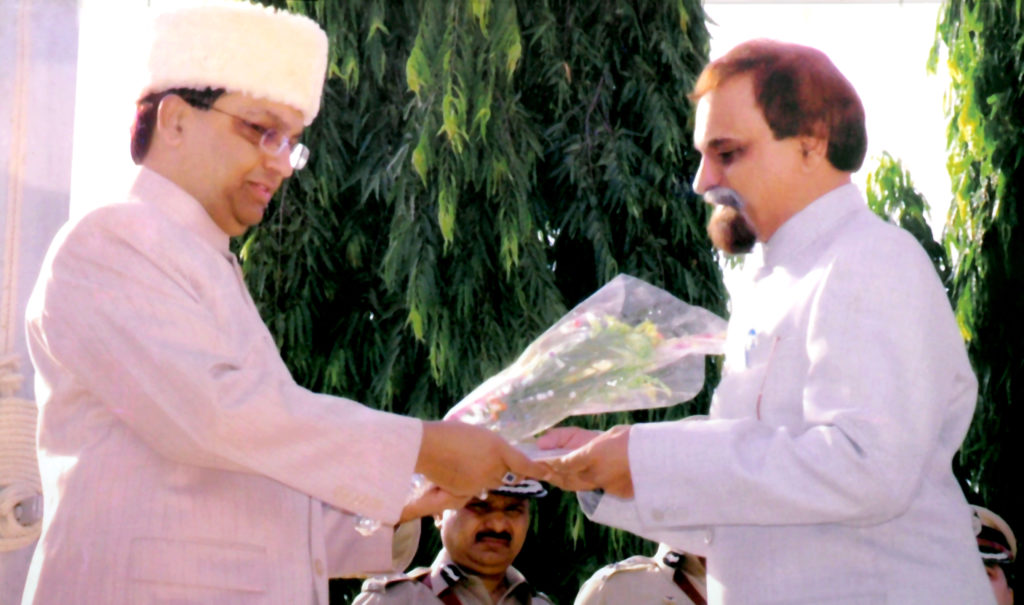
x=985, y=44
x=477, y=169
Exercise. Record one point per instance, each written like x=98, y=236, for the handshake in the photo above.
x=462, y=461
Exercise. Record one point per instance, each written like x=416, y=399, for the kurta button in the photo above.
x=709, y=535
x=658, y=515
x=318, y=567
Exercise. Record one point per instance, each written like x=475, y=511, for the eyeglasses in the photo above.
x=273, y=142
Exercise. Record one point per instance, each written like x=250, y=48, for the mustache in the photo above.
x=723, y=196
x=730, y=229
x=497, y=535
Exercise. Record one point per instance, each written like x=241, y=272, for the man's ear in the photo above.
x=814, y=150
x=171, y=116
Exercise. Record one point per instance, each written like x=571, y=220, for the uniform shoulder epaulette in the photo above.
x=635, y=563
x=379, y=584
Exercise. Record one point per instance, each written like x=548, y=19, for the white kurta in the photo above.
x=824, y=472
x=180, y=460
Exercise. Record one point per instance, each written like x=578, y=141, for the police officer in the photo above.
x=667, y=577
x=480, y=541
x=998, y=549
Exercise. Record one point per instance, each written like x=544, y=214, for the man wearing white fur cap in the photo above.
x=180, y=461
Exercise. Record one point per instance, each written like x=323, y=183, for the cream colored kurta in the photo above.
x=823, y=474
x=180, y=461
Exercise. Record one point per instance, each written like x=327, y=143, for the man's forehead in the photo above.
x=726, y=114
x=499, y=501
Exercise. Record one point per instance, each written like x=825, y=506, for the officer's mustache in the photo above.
x=729, y=228
x=497, y=535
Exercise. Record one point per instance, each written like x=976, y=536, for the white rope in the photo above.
x=20, y=486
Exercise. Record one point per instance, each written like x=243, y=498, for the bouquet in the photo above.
x=628, y=346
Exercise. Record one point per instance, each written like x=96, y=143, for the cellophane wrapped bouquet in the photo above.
x=629, y=346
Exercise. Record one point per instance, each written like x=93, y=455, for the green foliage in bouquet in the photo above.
x=594, y=362
x=479, y=167
x=628, y=351
x=598, y=353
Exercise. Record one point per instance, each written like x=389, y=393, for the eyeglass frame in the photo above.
x=298, y=154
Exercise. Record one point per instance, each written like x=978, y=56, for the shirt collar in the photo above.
x=446, y=573
x=806, y=226
x=151, y=187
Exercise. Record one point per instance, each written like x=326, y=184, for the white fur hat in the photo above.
x=240, y=47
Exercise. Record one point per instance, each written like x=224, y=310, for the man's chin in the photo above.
x=730, y=231
x=489, y=560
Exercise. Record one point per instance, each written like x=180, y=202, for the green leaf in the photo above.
x=422, y=157
x=417, y=68
x=447, y=198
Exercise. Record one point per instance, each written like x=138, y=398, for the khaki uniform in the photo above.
x=445, y=582
x=646, y=581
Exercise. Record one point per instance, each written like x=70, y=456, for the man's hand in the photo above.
x=466, y=460
x=565, y=438
x=601, y=461
x=431, y=501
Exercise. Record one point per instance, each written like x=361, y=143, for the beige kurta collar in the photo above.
x=150, y=187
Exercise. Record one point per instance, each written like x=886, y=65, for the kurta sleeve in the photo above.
x=160, y=330
x=351, y=554
x=625, y=514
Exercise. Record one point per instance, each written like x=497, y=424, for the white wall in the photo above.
x=105, y=103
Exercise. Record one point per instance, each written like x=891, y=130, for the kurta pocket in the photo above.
x=210, y=564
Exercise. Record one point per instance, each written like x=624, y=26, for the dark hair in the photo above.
x=800, y=92
x=145, y=114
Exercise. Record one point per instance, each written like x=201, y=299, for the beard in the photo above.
x=729, y=228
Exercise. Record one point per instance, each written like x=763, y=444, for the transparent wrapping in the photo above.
x=629, y=346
